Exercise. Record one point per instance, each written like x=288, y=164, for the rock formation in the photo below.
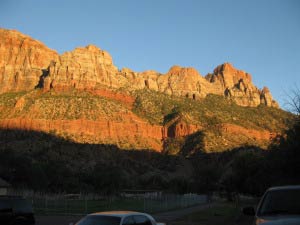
x=22, y=61
x=26, y=63
x=82, y=68
x=130, y=132
x=237, y=85
x=179, y=127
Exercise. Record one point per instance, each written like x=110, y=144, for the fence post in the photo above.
x=46, y=206
x=66, y=207
x=85, y=205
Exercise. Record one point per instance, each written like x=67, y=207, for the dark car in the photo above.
x=118, y=218
x=16, y=210
x=278, y=206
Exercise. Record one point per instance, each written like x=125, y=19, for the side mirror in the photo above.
x=249, y=211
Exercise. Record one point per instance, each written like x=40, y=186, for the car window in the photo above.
x=129, y=221
x=99, y=220
x=280, y=202
x=142, y=220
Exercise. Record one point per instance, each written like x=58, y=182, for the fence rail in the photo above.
x=62, y=206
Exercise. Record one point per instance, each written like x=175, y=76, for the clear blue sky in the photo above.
x=261, y=37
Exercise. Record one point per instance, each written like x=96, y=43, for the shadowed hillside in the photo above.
x=74, y=122
x=47, y=163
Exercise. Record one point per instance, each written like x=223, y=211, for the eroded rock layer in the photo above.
x=23, y=61
x=26, y=64
x=104, y=112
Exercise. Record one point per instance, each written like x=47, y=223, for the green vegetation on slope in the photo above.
x=209, y=113
x=32, y=160
x=64, y=105
x=158, y=108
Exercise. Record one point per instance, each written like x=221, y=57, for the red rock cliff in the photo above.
x=26, y=63
x=22, y=61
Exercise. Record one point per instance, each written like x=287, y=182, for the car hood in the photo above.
x=285, y=220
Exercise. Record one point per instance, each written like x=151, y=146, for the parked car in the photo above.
x=16, y=210
x=118, y=218
x=278, y=206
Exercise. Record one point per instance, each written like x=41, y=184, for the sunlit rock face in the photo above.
x=23, y=61
x=237, y=85
x=82, y=68
x=26, y=64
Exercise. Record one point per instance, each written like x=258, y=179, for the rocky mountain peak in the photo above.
x=265, y=90
x=26, y=64
x=81, y=68
x=229, y=76
x=183, y=71
x=92, y=48
x=22, y=61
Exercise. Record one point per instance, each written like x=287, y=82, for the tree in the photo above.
x=293, y=101
x=285, y=157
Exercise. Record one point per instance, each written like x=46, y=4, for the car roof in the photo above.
x=288, y=187
x=119, y=213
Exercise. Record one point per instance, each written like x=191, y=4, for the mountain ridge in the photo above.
x=82, y=96
x=27, y=63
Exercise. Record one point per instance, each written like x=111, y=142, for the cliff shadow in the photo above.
x=46, y=162
x=45, y=73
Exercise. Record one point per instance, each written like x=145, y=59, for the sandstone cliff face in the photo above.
x=131, y=132
x=267, y=99
x=237, y=85
x=82, y=68
x=179, y=127
x=26, y=64
x=185, y=82
x=22, y=61
x=128, y=133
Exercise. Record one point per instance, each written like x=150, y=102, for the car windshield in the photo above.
x=99, y=220
x=280, y=202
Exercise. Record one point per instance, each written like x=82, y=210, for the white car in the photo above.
x=118, y=218
x=278, y=206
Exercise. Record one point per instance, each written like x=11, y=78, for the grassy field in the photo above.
x=64, y=207
x=225, y=214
